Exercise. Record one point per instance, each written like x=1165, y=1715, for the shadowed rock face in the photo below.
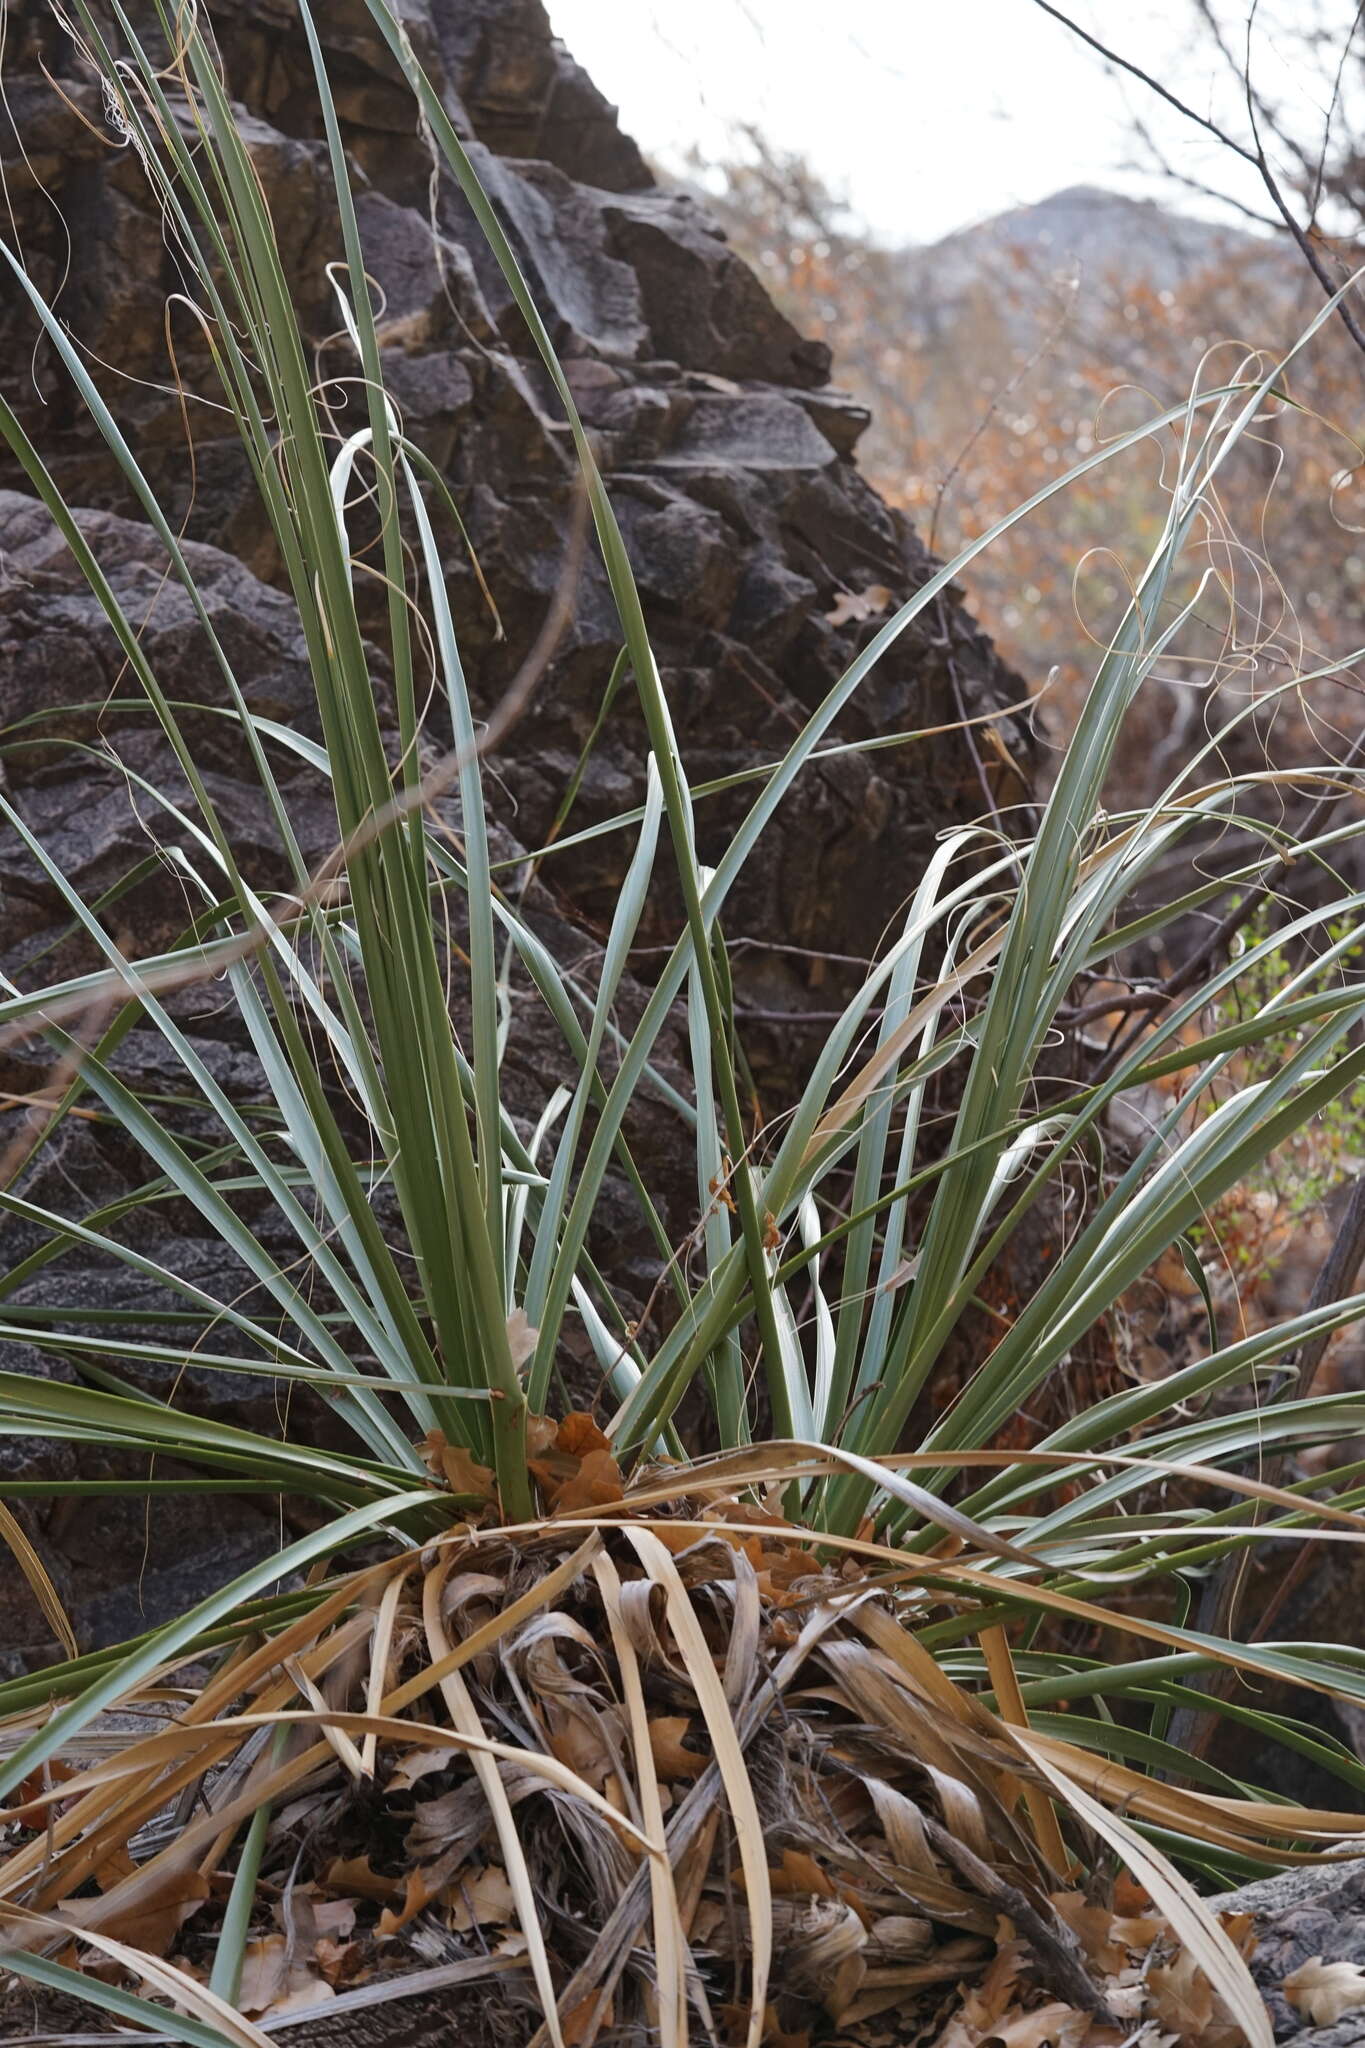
x=730, y=463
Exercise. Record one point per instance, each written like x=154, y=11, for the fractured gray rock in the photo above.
x=1302, y=1914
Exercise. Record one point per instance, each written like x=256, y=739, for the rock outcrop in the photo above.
x=729, y=457
x=1298, y=1917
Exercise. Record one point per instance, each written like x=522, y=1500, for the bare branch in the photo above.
x=1256, y=156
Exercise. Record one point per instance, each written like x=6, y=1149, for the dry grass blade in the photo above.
x=1197, y=1927
x=465, y=1717
x=380, y=1652
x=336, y=1737
x=670, y=1935
x=729, y=1755
x=546, y=1589
x=770, y=1463
x=102, y=1808
x=995, y=1648
x=1207, y=1816
x=35, y=1571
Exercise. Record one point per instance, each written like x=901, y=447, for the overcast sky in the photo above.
x=924, y=114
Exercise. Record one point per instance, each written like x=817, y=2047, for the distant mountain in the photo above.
x=1093, y=239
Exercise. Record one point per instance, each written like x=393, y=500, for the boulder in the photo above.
x=1300, y=1915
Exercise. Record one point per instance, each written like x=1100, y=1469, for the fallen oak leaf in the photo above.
x=418, y=1893
x=33, y=1801
x=343, y=1962
x=274, y=1981
x=801, y=1876
x=582, y=2023
x=415, y=1764
x=576, y=1469
x=354, y=1875
x=1187, y=2004
x=578, y=1435
x=987, y=2003
x=1047, y=2026
x=119, y=1866
x=152, y=1923
x=1131, y=1901
x=453, y=1465
x=1324, y=1991
x=596, y=1484
x=668, y=1750
x=1240, y=1929
x=1094, y=1927
x=775, y=2037
x=483, y=1899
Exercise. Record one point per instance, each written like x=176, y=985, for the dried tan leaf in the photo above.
x=578, y=1434
x=1188, y=2006
x=901, y=1936
x=579, y=1739
x=482, y=1898
x=1096, y=1929
x=418, y=1763
x=381, y=1657
x=333, y=1918
x=852, y=606
x=32, y=1796
x=729, y=1755
x=274, y=1980
x=799, y=1875
x=1131, y=1900
x=670, y=1931
x=984, y=2006
x=343, y=1962
x=1240, y=1929
x=418, y=1892
x=1324, y=1991
x=583, y=2022
x=354, y=1874
x=521, y=1338
x=672, y=1760
x=596, y=1484
x=35, y=1571
x=576, y=1469
x=540, y=1435
x=1139, y=1934
x=112, y=1872
x=1047, y=2026
x=153, y=1920
x=453, y=1464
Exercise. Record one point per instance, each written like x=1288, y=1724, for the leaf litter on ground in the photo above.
x=669, y=1669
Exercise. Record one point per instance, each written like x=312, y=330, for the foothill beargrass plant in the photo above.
x=1032, y=1606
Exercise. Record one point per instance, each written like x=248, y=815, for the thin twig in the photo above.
x=1256, y=156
